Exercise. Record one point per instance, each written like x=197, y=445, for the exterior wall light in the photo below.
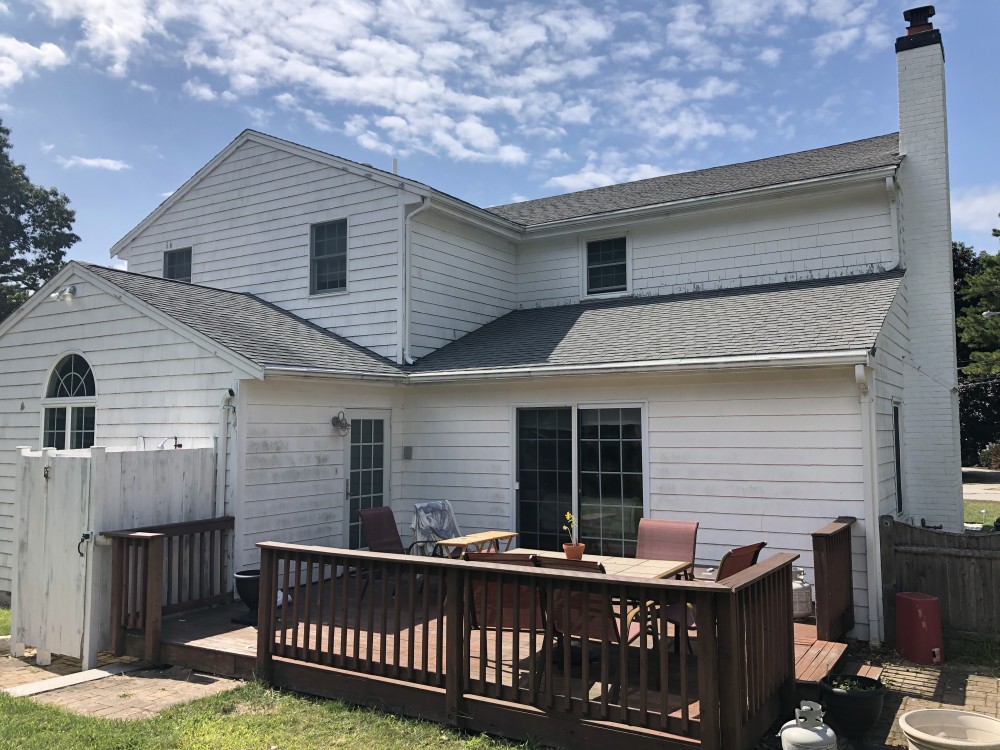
x=341, y=424
x=66, y=293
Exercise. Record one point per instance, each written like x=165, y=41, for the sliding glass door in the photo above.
x=603, y=454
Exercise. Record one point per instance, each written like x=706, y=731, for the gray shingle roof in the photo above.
x=829, y=315
x=248, y=326
x=857, y=156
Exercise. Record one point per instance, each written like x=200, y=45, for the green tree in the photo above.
x=980, y=335
x=35, y=231
x=965, y=264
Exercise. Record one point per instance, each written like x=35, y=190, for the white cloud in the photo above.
x=19, y=59
x=975, y=209
x=200, y=91
x=112, y=165
x=4, y=10
x=144, y=87
x=770, y=56
x=290, y=103
x=47, y=147
x=610, y=168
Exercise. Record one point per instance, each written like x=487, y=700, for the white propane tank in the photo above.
x=802, y=595
x=807, y=730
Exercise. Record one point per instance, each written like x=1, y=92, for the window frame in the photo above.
x=313, y=291
x=70, y=404
x=190, y=264
x=585, y=241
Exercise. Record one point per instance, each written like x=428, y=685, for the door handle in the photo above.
x=83, y=537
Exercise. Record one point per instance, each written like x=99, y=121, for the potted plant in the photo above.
x=574, y=549
x=853, y=703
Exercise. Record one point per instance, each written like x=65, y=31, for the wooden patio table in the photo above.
x=482, y=541
x=636, y=567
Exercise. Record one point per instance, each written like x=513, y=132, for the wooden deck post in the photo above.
x=118, y=562
x=454, y=678
x=709, y=672
x=731, y=693
x=153, y=599
x=265, y=615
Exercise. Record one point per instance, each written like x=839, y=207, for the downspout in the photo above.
x=864, y=377
x=222, y=461
x=425, y=203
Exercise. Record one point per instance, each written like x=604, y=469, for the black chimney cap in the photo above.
x=919, y=16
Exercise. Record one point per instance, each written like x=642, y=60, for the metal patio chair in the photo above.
x=668, y=540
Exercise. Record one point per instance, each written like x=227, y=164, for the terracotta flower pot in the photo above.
x=574, y=551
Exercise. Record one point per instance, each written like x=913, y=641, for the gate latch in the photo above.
x=83, y=537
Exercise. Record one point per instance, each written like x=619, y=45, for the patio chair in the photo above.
x=601, y=614
x=382, y=535
x=432, y=522
x=668, y=540
x=735, y=561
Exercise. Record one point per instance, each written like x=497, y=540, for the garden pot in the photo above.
x=947, y=729
x=248, y=588
x=574, y=551
x=853, y=711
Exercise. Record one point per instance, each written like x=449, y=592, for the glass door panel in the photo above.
x=367, y=480
x=544, y=476
x=611, y=483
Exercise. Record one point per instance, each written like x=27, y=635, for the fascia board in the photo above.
x=821, y=359
x=38, y=297
x=278, y=371
x=704, y=203
x=250, y=368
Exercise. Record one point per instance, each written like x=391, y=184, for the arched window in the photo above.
x=69, y=405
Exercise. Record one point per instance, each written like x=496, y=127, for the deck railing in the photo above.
x=834, y=579
x=479, y=646
x=160, y=570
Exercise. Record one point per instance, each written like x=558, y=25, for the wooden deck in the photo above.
x=207, y=641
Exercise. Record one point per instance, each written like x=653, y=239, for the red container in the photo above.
x=918, y=628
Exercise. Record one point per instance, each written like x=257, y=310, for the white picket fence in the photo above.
x=62, y=570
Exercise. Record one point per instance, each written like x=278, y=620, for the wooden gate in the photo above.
x=62, y=576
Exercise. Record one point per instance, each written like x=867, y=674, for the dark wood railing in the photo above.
x=478, y=646
x=833, y=568
x=161, y=570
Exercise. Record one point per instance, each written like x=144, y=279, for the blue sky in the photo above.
x=118, y=102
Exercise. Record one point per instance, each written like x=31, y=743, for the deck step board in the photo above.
x=862, y=670
x=818, y=660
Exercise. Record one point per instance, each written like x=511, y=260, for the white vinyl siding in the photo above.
x=750, y=456
x=292, y=478
x=891, y=350
x=829, y=233
x=250, y=219
x=462, y=278
x=151, y=383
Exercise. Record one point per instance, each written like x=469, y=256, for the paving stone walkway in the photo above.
x=137, y=695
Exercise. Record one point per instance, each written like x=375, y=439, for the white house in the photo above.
x=760, y=347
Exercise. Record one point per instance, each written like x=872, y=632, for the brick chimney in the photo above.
x=932, y=462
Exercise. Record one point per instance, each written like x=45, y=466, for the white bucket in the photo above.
x=947, y=729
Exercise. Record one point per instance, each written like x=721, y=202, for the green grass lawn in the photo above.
x=252, y=717
x=4, y=621
x=973, y=510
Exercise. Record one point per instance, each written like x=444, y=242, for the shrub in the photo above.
x=989, y=456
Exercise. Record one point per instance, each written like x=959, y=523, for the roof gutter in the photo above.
x=820, y=359
x=707, y=202
x=331, y=373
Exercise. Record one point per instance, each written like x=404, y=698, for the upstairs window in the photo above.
x=607, y=266
x=70, y=410
x=328, y=257
x=177, y=265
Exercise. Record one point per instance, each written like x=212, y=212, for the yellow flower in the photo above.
x=569, y=516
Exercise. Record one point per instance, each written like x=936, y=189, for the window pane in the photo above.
x=606, y=266
x=54, y=434
x=177, y=264
x=544, y=475
x=328, y=254
x=72, y=378
x=82, y=433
